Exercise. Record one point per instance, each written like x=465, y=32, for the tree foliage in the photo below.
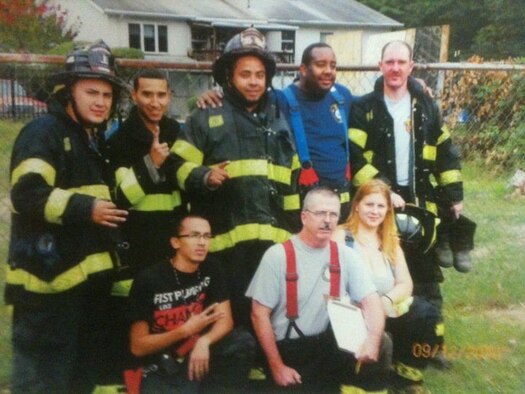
x=493, y=29
x=30, y=26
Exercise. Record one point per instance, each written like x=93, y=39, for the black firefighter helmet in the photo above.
x=416, y=227
x=248, y=42
x=94, y=61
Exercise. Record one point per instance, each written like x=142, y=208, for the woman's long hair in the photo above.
x=387, y=231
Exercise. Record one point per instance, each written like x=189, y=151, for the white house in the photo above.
x=190, y=30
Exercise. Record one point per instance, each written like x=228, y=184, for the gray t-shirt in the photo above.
x=268, y=285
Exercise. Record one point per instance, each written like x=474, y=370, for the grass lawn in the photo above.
x=484, y=309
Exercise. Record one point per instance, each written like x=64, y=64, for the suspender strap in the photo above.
x=335, y=270
x=298, y=128
x=292, y=312
x=291, y=281
x=341, y=104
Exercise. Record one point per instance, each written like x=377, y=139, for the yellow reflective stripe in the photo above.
x=429, y=152
x=121, y=288
x=358, y=137
x=364, y=174
x=248, y=232
x=56, y=205
x=130, y=186
x=58, y=199
x=445, y=135
x=368, y=155
x=98, y=191
x=34, y=166
x=432, y=207
x=187, y=151
x=159, y=202
x=344, y=197
x=440, y=329
x=450, y=176
x=184, y=172
x=291, y=202
x=348, y=389
x=120, y=174
x=259, y=167
x=110, y=389
x=74, y=276
x=296, y=164
x=408, y=372
x=279, y=174
x=239, y=168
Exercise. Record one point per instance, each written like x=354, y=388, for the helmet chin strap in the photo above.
x=237, y=95
x=78, y=117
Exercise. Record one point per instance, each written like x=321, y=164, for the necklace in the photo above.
x=177, y=280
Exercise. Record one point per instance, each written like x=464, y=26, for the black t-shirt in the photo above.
x=166, y=300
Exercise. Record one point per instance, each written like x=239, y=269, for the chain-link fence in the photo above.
x=483, y=106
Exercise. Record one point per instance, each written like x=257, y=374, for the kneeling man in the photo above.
x=180, y=314
x=299, y=345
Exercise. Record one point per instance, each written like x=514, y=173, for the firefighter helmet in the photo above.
x=416, y=227
x=94, y=61
x=248, y=42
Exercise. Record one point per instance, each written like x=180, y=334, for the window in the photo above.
x=287, y=46
x=148, y=37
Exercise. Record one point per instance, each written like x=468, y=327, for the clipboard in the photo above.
x=348, y=326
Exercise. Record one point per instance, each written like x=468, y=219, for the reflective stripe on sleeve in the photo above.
x=58, y=199
x=364, y=174
x=127, y=182
x=35, y=166
x=159, y=202
x=445, y=135
x=74, y=276
x=187, y=151
x=184, y=172
x=358, y=137
x=450, y=176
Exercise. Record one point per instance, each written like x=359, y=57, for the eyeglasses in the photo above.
x=323, y=214
x=196, y=236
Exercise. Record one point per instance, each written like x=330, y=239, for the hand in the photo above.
x=218, y=175
x=286, y=376
x=369, y=351
x=210, y=98
x=198, y=322
x=199, y=363
x=456, y=209
x=158, y=151
x=397, y=200
x=106, y=214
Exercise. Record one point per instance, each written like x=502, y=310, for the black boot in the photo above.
x=444, y=255
x=462, y=242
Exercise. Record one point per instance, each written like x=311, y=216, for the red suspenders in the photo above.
x=292, y=312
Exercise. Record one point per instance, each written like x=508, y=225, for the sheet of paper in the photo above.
x=348, y=326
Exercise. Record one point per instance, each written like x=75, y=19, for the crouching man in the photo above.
x=289, y=311
x=181, y=318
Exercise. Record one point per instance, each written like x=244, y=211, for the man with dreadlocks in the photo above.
x=236, y=163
